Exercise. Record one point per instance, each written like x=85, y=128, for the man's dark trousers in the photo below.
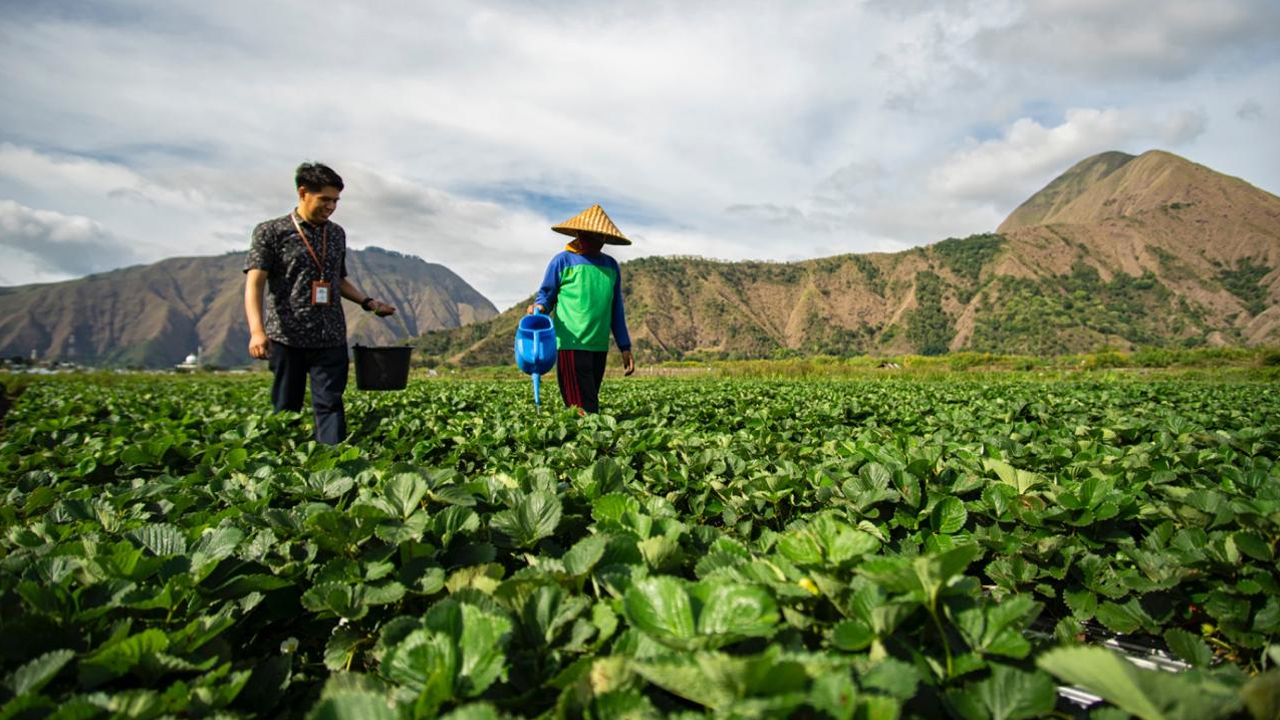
x=328, y=370
x=580, y=373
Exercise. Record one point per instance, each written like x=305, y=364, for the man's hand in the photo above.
x=530, y=310
x=628, y=363
x=259, y=346
x=382, y=309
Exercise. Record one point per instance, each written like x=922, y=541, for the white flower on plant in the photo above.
x=288, y=646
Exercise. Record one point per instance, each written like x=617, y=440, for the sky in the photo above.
x=133, y=131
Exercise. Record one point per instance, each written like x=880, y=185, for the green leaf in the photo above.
x=351, y=706
x=660, y=606
x=425, y=662
x=340, y=650
x=998, y=497
x=1104, y=674
x=241, y=585
x=1262, y=695
x=483, y=644
x=624, y=705
x=411, y=529
x=1083, y=603
x=602, y=478
x=328, y=484
x=37, y=673
x=1149, y=694
x=1020, y=480
x=852, y=635
x=484, y=578
x=453, y=521
x=894, y=677
x=384, y=594
x=1253, y=546
x=997, y=629
x=474, y=711
x=404, y=493
x=214, y=545
x=583, y=556
x=735, y=611
x=547, y=611
x=39, y=706
x=720, y=682
x=534, y=517
x=801, y=547
x=826, y=540
x=876, y=475
x=1126, y=618
x=161, y=539
x=117, y=657
x=948, y=516
x=879, y=707
x=935, y=571
x=608, y=510
x=834, y=694
x=344, y=601
x=1188, y=647
x=1009, y=694
x=661, y=552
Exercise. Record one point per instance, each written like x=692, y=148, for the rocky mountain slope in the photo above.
x=1119, y=251
x=155, y=315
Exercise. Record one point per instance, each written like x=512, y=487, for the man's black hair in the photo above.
x=316, y=177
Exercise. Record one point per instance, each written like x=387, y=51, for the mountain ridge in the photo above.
x=1118, y=251
x=154, y=315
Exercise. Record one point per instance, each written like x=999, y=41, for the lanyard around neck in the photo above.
x=324, y=243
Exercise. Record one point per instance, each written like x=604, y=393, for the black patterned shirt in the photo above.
x=288, y=315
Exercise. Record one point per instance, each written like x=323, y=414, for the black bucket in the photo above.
x=382, y=368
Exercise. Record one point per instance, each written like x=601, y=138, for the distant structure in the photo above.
x=192, y=362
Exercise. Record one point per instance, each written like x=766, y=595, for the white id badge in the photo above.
x=320, y=293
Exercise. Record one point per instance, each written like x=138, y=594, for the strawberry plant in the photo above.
x=847, y=549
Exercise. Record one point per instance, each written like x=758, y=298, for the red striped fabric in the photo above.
x=569, y=376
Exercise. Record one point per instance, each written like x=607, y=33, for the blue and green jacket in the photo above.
x=585, y=291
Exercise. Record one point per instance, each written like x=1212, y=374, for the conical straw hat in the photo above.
x=593, y=220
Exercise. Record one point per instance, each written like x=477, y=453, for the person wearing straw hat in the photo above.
x=297, y=263
x=582, y=288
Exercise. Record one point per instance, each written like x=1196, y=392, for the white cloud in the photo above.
x=1165, y=39
x=1029, y=154
x=726, y=129
x=52, y=246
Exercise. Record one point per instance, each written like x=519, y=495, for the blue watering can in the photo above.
x=536, y=349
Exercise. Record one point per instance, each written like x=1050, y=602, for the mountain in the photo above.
x=1120, y=251
x=155, y=315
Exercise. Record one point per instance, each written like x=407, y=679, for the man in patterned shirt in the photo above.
x=300, y=260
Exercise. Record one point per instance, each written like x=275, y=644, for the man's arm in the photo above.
x=353, y=293
x=619, y=323
x=254, y=284
x=545, y=299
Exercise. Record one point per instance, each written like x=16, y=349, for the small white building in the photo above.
x=191, y=363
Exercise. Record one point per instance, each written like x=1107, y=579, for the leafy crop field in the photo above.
x=824, y=549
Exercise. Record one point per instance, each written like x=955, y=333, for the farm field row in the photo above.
x=738, y=548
